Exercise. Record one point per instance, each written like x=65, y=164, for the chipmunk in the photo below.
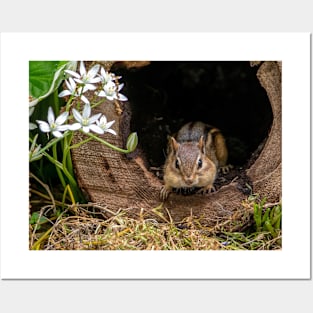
x=195, y=154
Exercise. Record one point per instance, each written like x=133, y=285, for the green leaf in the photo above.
x=276, y=221
x=266, y=215
x=35, y=219
x=269, y=227
x=45, y=77
x=257, y=216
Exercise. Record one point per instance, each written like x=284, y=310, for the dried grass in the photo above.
x=94, y=227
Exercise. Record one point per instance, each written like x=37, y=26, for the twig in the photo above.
x=46, y=187
x=270, y=205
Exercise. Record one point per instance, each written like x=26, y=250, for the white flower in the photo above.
x=107, y=77
x=54, y=126
x=86, y=78
x=105, y=126
x=71, y=85
x=111, y=92
x=85, y=121
x=31, y=125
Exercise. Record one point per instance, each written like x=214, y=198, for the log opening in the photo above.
x=166, y=94
x=243, y=101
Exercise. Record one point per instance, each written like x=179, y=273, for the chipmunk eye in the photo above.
x=177, y=164
x=199, y=163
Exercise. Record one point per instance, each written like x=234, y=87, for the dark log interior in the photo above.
x=166, y=94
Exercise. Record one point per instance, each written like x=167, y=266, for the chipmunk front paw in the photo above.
x=225, y=169
x=164, y=193
x=207, y=189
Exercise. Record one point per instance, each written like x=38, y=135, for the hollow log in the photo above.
x=121, y=181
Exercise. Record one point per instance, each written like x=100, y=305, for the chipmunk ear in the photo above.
x=201, y=144
x=174, y=144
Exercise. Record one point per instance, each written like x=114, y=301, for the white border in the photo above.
x=293, y=262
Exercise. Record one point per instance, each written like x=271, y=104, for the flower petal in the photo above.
x=103, y=120
x=78, y=80
x=120, y=86
x=57, y=134
x=109, y=124
x=86, y=111
x=72, y=73
x=89, y=87
x=64, y=93
x=94, y=80
x=77, y=116
x=44, y=126
x=68, y=85
x=110, y=131
x=72, y=85
x=121, y=97
x=93, y=118
x=113, y=132
x=101, y=94
x=32, y=126
x=105, y=77
x=74, y=126
x=93, y=71
x=63, y=128
x=96, y=129
x=61, y=118
x=50, y=116
x=103, y=72
x=86, y=129
x=84, y=99
x=82, y=68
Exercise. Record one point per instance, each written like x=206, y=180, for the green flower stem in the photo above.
x=67, y=160
x=97, y=103
x=72, y=181
x=68, y=104
x=59, y=172
x=107, y=144
x=77, y=145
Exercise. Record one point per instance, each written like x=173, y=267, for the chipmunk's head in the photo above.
x=188, y=160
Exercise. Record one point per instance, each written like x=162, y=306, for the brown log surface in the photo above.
x=119, y=182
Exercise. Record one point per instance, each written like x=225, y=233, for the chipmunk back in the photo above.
x=195, y=154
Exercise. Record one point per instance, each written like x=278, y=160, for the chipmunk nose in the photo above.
x=188, y=180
